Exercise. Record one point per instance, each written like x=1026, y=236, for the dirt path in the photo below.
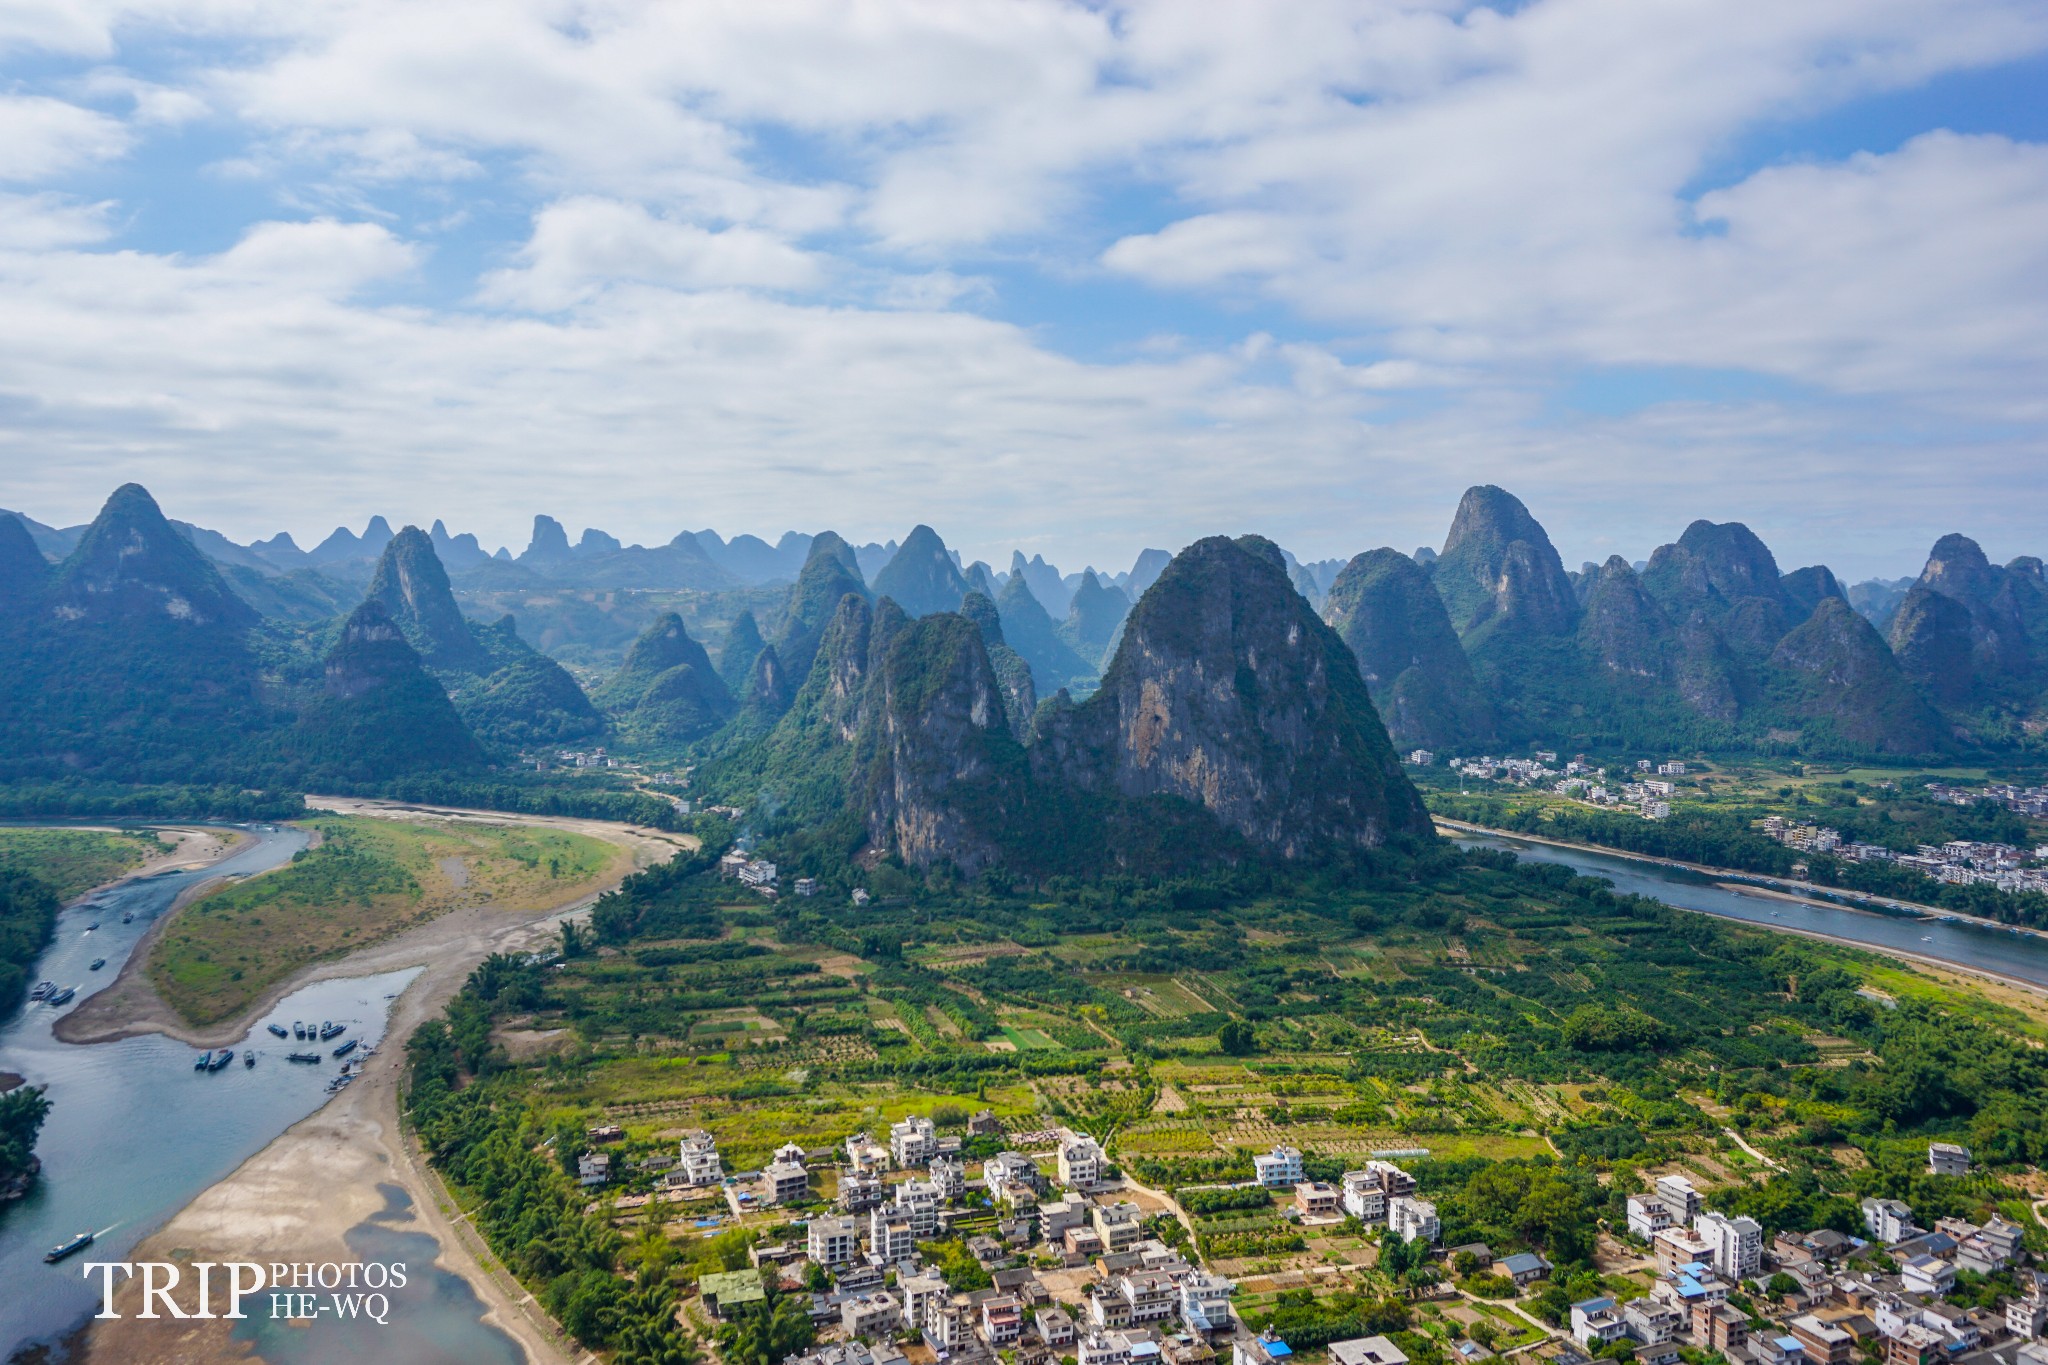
x=298, y=1198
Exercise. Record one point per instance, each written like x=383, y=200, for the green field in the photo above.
x=73, y=861
x=364, y=880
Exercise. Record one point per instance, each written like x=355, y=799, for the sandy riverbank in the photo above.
x=297, y=1199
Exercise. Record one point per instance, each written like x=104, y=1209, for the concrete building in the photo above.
x=1316, y=1199
x=1652, y=1322
x=1412, y=1218
x=1946, y=1158
x=1007, y=1168
x=919, y=1200
x=1367, y=1351
x=918, y=1293
x=1055, y=1327
x=914, y=1141
x=1363, y=1197
x=1081, y=1161
x=950, y=1175
x=1205, y=1304
x=1647, y=1215
x=1279, y=1169
x=1002, y=1321
x=859, y=1191
x=1678, y=1196
x=1824, y=1342
x=1680, y=1246
x=1395, y=1181
x=866, y=1155
x=1719, y=1327
x=1595, y=1322
x=832, y=1240
x=1055, y=1216
x=697, y=1161
x=1888, y=1220
x=593, y=1168
x=890, y=1235
x=785, y=1182
x=1121, y=1225
x=870, y=1315
x=1927, y=1275
x=1736, y=1245
x=1263, y=1349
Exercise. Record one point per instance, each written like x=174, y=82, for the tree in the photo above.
x=1237, y=1039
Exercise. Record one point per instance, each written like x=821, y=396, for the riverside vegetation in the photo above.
x=1549, y=1042
x=363, y=880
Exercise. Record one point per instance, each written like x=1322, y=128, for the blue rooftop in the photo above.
x=1276, y=1350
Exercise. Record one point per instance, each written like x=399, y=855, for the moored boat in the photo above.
x=97, y=963
x=345, y=1048
x=221, y=1059
x=312, y=1057
x=248, y=1059
x=43, y=991
x=205, y=1060
x=279, y=1031
x=330, y=1030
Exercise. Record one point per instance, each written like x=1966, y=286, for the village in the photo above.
x=1069, y=1262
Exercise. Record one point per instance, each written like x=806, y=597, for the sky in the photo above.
x=1072, y=278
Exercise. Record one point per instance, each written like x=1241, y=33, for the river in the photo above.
x=2018, y=955
x=134, y=1133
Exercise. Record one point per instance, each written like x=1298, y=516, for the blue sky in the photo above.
x=1078, y=279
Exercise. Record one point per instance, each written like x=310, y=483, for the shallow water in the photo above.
x=435, y=1320
x=134, y=1133
x=2020, y=955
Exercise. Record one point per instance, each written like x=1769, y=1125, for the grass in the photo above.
x=1029, y=1039
x=365, y=880
x=73, y=861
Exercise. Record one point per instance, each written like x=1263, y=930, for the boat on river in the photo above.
x=345, y=1048
x=59, y=997
x=128, y=917
x=97, y=963
x=279, y=1031
x=298, y=1030
x=70, y=1248
x=248, y=1059
x=90, y=927
x=221, y=1059
x=205, y=1060
x=312, y=1057
x=43, y=991
x=329, y=1030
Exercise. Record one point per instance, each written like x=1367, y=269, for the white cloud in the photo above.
x=582, y=246
x=42, y=137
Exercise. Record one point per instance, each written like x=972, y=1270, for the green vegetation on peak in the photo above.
x=413, y=587
x=379, y=712
x=1498, y=569
x=1383, y=607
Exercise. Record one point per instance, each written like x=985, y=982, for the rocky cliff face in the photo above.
x=1230, y=693
x=2008, y=621
x=938, y=774
x=380, y=713
x=1499, y=570
x=1013, y=674
x=413, y=588
x=1933, y=638
x=921, y=576
x=1383, y=607
x=1841, y=674
x=1623, y=628
x=1806, y=588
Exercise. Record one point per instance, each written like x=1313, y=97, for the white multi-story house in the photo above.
x=950, y=1175
x=1279, y=1169
x=1122, y=1225
x=1103, y=1348
x=1412, y=1218
x=1005, y=1168
x=1080, y=1160
x=1595, y=1322
x=919, y=1292
x=890, y=1235
x=1677, y=1195
x=866, y=1155
x=1055, y=1216
x=1205, y=1303
x=2027, y=1314
x=1002, y=1320
x=698, y=1162
x=914, y=1141
x=1737, y=1244
x=1888, y=1220
x=1363, y=1197
x=1395, y=1181
x=832, y=1240
x=1647, y=1216
x=918, y=1201
x=593, y=1168
x=859, y=1191
x=1150, y=1295
x=1652, y=1322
